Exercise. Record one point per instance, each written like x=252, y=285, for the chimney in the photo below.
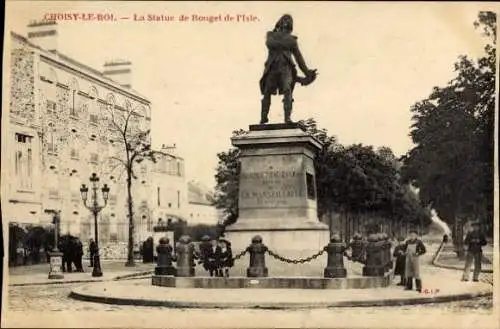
x=43, y=34
x=119, y=71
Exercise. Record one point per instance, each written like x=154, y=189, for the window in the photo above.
x=113, y=237
x=23, y=161
x=93, y=118
x=179, y=172
x=72, y=109
x=178, y=199
x=85, y=229
x=51, y=106
x=158, y=196
x=51, y=139
x=53, y=194
x=74, y=154
x=75, y=196
x=94, y=158
x=104, y=229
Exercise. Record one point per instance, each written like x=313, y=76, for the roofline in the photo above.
x=172, y=155
x=59, y=61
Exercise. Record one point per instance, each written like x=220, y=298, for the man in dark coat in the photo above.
x=68, y=250
x=473, y=243
x=78, y=254
x=280, y=74
x=92, y=251
x=399, y=254
x=413, y=249
x=148, y=250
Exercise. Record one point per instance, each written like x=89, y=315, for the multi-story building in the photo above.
x=166, y=191
x=201, y=209
x=56, y=132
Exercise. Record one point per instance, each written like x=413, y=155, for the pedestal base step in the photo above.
x=273, y=283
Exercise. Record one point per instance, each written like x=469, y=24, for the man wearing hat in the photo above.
x=473, y=243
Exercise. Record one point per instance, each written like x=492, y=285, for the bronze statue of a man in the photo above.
x=280, y=74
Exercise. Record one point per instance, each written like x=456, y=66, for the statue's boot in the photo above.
x=287, y=107
x=265, y=105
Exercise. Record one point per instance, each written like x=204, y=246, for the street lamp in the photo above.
x=95, y=208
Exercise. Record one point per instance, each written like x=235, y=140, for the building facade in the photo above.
x=56, y=132
x=201, y=209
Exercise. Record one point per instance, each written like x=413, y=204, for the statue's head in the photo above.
x=285, y=24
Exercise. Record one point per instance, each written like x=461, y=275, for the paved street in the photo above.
x=51, y=307
x=50, y=303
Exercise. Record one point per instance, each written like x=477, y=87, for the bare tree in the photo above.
x=133, y=147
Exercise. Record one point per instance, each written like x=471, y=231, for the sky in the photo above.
x=375, y=60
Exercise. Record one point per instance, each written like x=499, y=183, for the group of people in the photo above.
x=215, y=256
x=407, y=255
x=72, y=249
x=407, y=266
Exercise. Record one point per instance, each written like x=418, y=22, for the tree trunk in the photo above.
x=130, y=249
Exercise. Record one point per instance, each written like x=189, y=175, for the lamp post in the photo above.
x=95, y=208
x=55, y=255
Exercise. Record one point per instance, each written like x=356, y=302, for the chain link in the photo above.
x=296, y=261
x=238, y=256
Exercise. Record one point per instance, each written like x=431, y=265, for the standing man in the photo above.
x=473, y=243
x=280, y=74
x=92, y=251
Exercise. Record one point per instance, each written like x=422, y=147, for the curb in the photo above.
x=54, y=282
x=276, y=305
x=130, y=276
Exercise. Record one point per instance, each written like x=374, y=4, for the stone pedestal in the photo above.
x=277, y=191
x=55, y=271
x=335, y=266
x=374, y=262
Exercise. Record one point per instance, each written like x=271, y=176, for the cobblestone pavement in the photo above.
x=49, y=307
x=55, y=298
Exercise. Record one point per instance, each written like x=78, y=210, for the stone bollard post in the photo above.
x=184, y=255
x=335, y=266
x=257, y=251
x=373, y=266
x=164, y=258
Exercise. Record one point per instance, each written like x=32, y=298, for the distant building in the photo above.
x=166, y=191
x=201, y=209
x=55, y=134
